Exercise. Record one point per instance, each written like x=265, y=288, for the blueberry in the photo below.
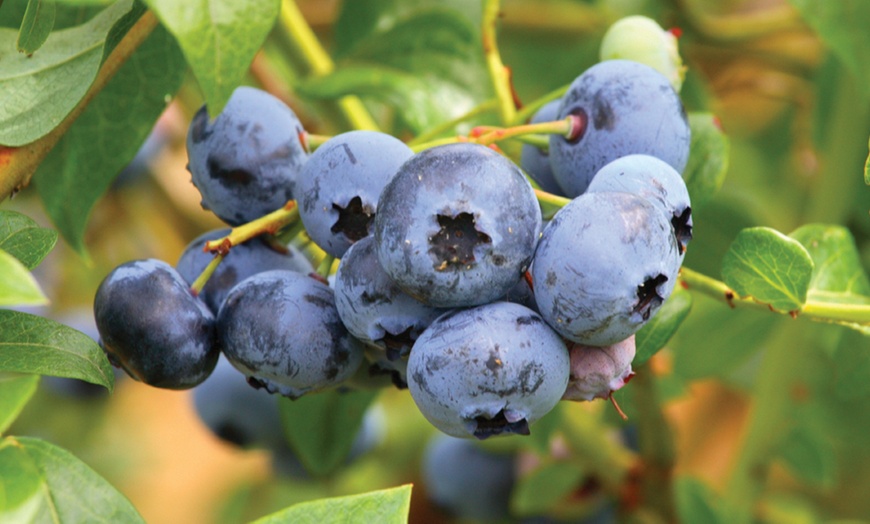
x=489, y=370
x=642, y=39
x=654, y=180
x=466, y=481
x=235, y=412
x=373, y=308
x=624, y=108
x=245, y=163
x=596, y=372
x=339, y=187
x=281, y=329
x=152, y=326
x=243, y=260
x=534, y=161
x=603, y=267
x=457, y=225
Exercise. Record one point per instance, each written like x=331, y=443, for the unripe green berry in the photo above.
x=643, y=40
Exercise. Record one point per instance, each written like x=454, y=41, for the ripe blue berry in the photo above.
x=624, y=108
x=245, y=163
x=457, y=225
x=489, y=370
x=243, y=260
x=236, y=412
x=372, y=306
x=339, y=186
x=603, y=267
x=654, y=180
x=281, y=329
x=153, y=327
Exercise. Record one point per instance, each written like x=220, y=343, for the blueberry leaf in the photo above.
x=387, y=506
x=103, y=139
x=842, y=27
x=24, y=239
x=321, y=427
x=33, y=344
x=15, y=391
x=838, y=275
x=218, y=38
x=661, y=327
x=708, y=158
x=17, y=285
x=539, y=491
x=66, y=489
x=770, y=267
x=38, y=91
x=19, y=483
x=36, y=26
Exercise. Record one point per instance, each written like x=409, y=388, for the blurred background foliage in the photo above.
x=768, y=414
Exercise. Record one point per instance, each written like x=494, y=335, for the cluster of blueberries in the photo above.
x=449, y=282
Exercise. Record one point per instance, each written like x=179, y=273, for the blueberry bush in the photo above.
x=434, y=261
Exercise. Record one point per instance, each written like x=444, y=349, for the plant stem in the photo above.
x=550, y=198
x=531, y=108
x=17, y=164
x=206, y=274
x=270, y=223
x=656, y=447
x=444, y=127
x=812, y=309
x=313, y=58
x=498, y=73
x=325, y=266
x=557, y=127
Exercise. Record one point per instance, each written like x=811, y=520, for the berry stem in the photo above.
x=530, y=109
x=17, y=164
x=306, y=49
x=325, y=266
x=270, y=223
x=431, y=134
x=202, y=279
x=498, y=73
x=551, y=199
x=812, y=309
x=557, y=127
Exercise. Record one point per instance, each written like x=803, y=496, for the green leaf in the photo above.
x=696, y=502
x=36, y=26
x=321, y=427
x=427, y=55
x=543, y=488
x=387, y=506
x=661, y=327
x=22, y=238
x=842, y=25
x=770, y=267
x=40, y=90
x=32, y=344
x=107, y=135
x=416, y=97
x=17, y=285
x=838, y=275
x=867, y=168
x=15, y=391
x=708, y=158
x=219, y=39
x=810, y=455
x=19, y=483
x=70, y=491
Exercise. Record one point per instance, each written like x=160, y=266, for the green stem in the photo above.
x=325, y=266
x=270, y=223
x=529, y=110
x=206, y=274
x=550, y=198
x=557, y=127
x=483, y=107
x=438, y=142
x=813, y=310
x=498, y=73
x=306, y=49
x=657, y=452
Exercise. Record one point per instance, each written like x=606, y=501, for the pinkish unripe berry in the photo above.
x=596, y=372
